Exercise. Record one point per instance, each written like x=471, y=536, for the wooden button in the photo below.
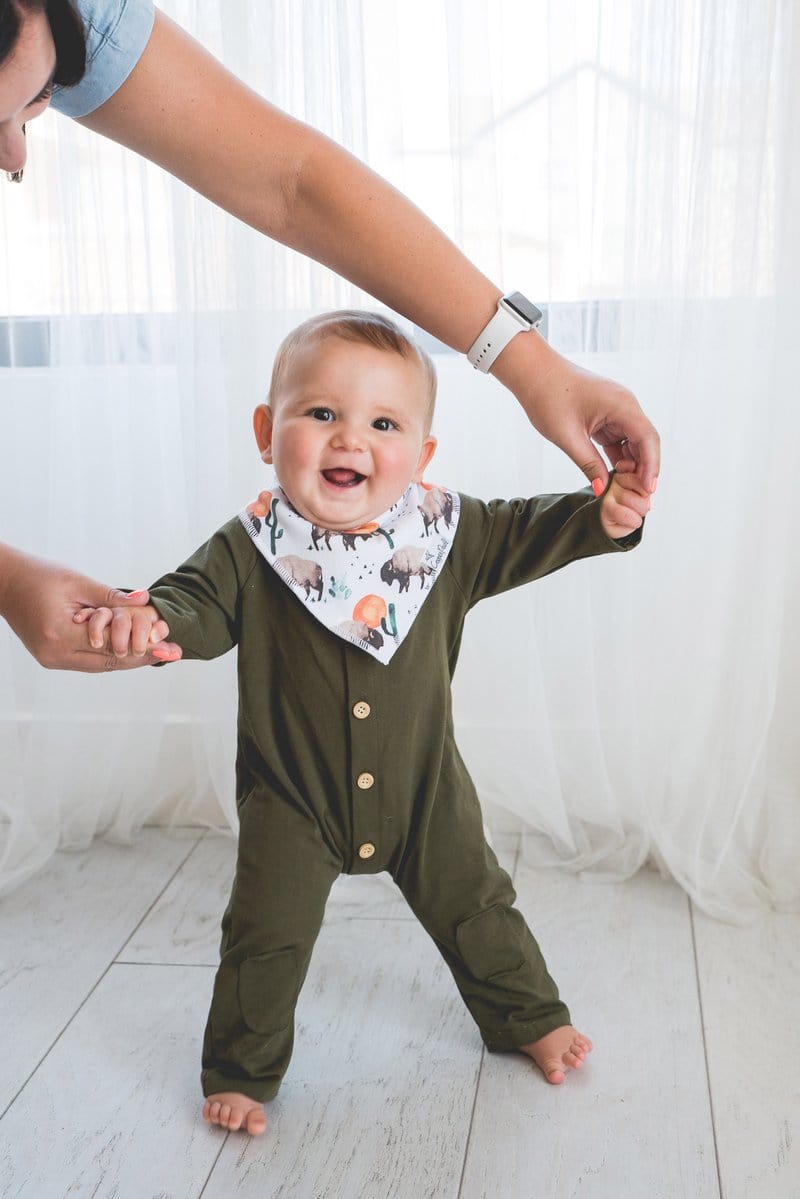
x=361, y=710
x=366, y=850
x=365, y=780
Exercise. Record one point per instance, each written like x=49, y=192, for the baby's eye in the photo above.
x=321, y=414
x=383, y=424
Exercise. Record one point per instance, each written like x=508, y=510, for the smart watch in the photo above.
x=515, y=314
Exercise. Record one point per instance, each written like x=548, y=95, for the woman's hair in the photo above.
x=67, y=30
x=354, y=325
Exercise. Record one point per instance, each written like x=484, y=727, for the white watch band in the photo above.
x=493, y=339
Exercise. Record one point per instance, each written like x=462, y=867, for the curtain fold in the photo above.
x=634, y=167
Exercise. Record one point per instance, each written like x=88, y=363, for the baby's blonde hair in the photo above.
x=352, y=324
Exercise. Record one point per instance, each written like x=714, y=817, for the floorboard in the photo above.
x=635, y=1122
x=183, y=927
x=114, y=1104
x=750, y=989
x=378, y=1098
x=60, y=931
x=107, y=964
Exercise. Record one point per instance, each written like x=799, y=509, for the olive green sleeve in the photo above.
x=200, y=601
x=511, y=542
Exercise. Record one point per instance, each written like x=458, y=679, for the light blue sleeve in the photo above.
x=117, y=32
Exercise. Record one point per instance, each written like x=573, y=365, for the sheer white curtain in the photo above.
x=631, y=165
x=126, y=425
x=648, y=714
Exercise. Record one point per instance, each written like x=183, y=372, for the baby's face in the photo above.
x=347, y=431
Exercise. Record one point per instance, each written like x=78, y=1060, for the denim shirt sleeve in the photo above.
x=117, y=32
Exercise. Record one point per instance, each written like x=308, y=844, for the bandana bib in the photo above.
x=366, y=585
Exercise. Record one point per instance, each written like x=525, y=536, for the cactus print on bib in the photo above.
x=367, y=584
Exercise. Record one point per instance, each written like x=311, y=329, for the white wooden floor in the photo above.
x=106, y=965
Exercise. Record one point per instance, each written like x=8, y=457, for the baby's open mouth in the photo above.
x=340, y=477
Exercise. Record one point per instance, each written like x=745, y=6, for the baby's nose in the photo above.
x=348, y=436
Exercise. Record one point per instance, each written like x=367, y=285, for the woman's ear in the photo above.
x=262, y=427
x=425, y=455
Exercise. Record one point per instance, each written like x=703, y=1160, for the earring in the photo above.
x=16, y=176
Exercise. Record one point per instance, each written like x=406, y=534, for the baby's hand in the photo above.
x=624, y=505
x=122, y=629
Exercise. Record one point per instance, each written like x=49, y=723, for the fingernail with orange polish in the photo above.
x=598, y=486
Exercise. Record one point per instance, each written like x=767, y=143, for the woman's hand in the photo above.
x=121, y=629
x=39, y=600
x=579, y=411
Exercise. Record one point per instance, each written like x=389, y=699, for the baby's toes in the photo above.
x=553, y=1071
x=573, y=1060
x=256, y=1122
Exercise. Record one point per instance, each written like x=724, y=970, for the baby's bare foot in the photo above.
x=560, y=1050
x=234, y=1111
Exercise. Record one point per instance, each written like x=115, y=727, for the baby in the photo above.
x=345, y=587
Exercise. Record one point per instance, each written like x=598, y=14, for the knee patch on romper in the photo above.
x=489, y=944
x=268, y=990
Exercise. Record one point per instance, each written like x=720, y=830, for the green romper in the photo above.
x=347, y=764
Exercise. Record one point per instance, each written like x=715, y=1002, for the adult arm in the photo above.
x=39, y=599
x=180, y=108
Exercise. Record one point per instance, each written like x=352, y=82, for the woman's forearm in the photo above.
x=8, y=563
x=350, y=219
x=183, y=110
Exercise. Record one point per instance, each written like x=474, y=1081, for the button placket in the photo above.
x=365, y=765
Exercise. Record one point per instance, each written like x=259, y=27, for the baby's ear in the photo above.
x=262, y=427
x=426, y=453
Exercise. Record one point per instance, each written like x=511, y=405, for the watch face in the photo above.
x=528, y=311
